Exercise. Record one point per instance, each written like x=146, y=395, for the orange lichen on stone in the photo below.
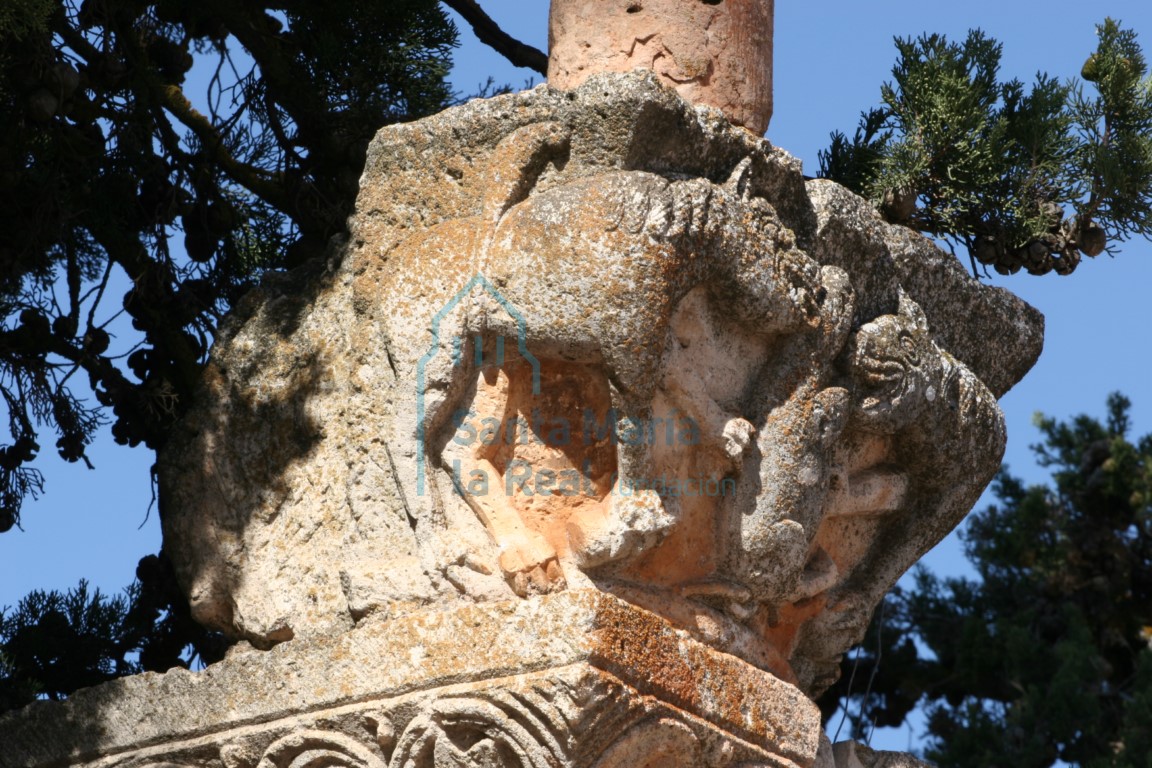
x=644, y=652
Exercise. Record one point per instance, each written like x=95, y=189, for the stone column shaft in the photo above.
x=714, y=52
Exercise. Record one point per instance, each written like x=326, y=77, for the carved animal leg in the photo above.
x=718, y=428
x=636, y=518
x=422, y=399
x=528, y=561
x=778, y=292
x=797, y=444
x=428, y=392
x=633, y=522
x=798, y=452
x=631, y=418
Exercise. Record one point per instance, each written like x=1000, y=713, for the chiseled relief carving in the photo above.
x=670, y=337
x=320, y=749
x=596, y=268
x=631, y=352
x=474, y=732
x=599, y=380
x=538, y=724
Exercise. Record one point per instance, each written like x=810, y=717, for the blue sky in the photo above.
x=830, y=59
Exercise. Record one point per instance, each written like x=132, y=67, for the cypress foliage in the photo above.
x=132, y=186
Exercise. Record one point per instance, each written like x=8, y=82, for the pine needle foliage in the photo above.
x=1022, y=177
x=1045, y=657
x=157, y=159
x=54, y=643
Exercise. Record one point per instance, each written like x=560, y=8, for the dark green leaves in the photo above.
x=1045, y=655
x=1022, y=177
x=1115, y=130
x=53, y=643
x=156, y=159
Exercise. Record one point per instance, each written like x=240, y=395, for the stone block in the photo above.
x=574, y=679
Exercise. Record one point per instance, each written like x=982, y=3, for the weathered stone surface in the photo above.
x=803, y=397
x=988, y=328
x=576, y=679
x=849, y=754
x=713, y=53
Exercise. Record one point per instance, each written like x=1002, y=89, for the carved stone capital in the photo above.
x=594, y=339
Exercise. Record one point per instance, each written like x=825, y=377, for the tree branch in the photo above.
x=172, y=99
x=254, y=179
x=489, y=33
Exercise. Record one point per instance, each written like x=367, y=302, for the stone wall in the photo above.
x=576, y=679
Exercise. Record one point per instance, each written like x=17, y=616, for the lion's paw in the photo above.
x=738, y=435
x=530, y=565
x=634, y=522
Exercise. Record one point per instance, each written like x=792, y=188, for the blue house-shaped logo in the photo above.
x=457, y=357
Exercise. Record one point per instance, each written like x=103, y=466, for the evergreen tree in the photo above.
x=111, y=171
x=1021, y=178
x=1046, y=655
x=123, y=192
x=54, y=643
x=107, y=163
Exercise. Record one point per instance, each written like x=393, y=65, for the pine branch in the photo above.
x=489, y=33
x=250, y=177
x=290, y=84
x=1025, y=179
x=172, y=98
